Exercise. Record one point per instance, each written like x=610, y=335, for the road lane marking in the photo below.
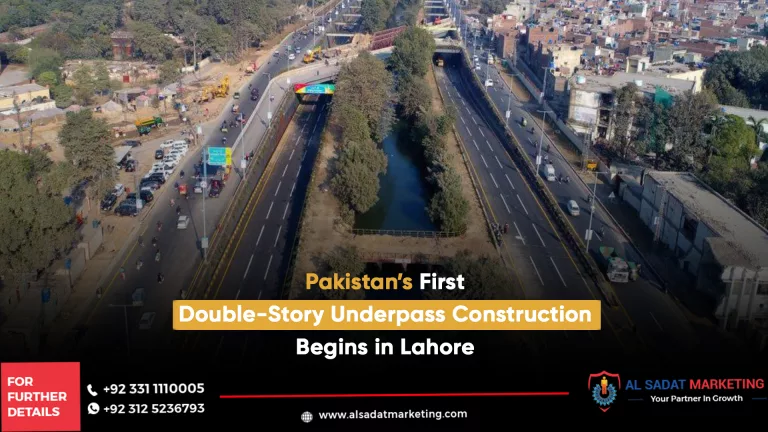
x=484, y=162
x=237, y=296
x=509, y=181
x=291, y=155
x=313, y=129
x=475, y=122
x=246, y=270
x=292, y=188
x=462, y=120
x=519, y=234
x=286, y=209
x=278, y=187
x=462, y=102
x=284, y=170
x=499, y=162
x=521, y=203
x=475, y=143
x=537, y=233
x=558, y=271
x=494, y=180
x=269, y=212
x=481, y=133
x=505, y=203
x=260, y=233
x=298, y=171
x=537, y=270
x=259, y=298
x=277, y=237
x=489, y=145
x=469, y=112
x=469, y=132
x=270, y=263
x=653, y=317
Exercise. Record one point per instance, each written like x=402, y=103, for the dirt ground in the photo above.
x=321, y=230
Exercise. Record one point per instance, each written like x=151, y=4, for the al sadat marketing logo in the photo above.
x=604, y=387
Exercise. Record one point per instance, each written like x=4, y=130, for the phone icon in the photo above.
x=90, y=390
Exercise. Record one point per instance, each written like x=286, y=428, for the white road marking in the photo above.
x=558, y=271
x=268, y=264
x=285, y=210
x=481, y=133
x=284, y=170
x=291, y=156
x=475, y=122
x=292, y=188
x=537, y=233
x=656, y=321
x=521, y=203
x=505, y=203
x=494, y=180
x=475, y=143
x=462, y=102
x=297, y=172
x=278, y=187
x=537, y=270
x=269, y=212
x=259, y=298
x=469, y=132
x=237, y=296
x=277, y=237
x=484, y=162
x=469, y=112
x=260, y=233
x=489, y=145
x=462, y=120
x=509, y=181
x=246, y=269
x=519, y=234
x=313, y=129
x=499, y=162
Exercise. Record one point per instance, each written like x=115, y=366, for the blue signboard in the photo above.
x=217, y=156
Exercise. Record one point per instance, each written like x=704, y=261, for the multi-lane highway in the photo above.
x=655, y=315
x=255, y=265
x=105, y=327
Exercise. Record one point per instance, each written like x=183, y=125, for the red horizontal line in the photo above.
x=390, y=395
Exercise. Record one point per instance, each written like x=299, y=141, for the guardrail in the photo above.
x=527, y=169
x=406, y=233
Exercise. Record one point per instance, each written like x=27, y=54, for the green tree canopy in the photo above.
x=86, y=145
x=415, y=97
x=151, y=43
x=492, y=7
x=365, y=84
x=484, y=278
x=356, y=180
x=412, y=52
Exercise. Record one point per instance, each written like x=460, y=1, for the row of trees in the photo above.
x=36, y=225
x=377, y=15
x=740, y=78
x=411, y=61
x=691, y=133
x=360, y=113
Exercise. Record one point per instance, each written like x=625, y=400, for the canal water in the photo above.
x=404, y=193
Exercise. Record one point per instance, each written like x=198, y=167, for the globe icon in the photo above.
x=306, y=417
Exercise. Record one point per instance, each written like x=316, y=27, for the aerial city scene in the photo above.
x=157, y=151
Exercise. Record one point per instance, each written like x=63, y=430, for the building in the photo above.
x=520, y=10
x=122, y=45
x=25, y=95
x=564, y=58
x=720, y=245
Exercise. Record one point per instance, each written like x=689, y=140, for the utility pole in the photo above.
x=541, y=137
x=205, y=186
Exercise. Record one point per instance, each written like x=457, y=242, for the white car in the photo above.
x=477, y=66
x=146, y=321
x=171, y=161
x=183, y=222
x=177, y=153
x=171, y=143
x=184, y=147
x=489, y=83
x=118, y=190
x=291, y=56
x=573, y=208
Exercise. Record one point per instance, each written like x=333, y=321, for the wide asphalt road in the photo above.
x=255, y=267
x=658, y=319
x=105, y=328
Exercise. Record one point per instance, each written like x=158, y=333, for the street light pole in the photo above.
x=204, y=240
x=592, y=210
x=541, y=138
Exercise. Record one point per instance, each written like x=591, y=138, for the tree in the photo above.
x=734, y=141
x=48, y=79
x=170, y=71
x=448, y=208
x=352, y=123
x=492, y=7
x=43, y=60
x=153, y=12
x=740, y=78
x=35, y=225
x=412, y=52
x=365, y=83
x=356, y=179
x=689, y=115
x=101, y=81
x=343, y=260
x=484, y=278
x=63, y=93
x=656, y=131
x=374, y=14
x=86, y=145
x=415, y=97
x=758, y=126
x=84, y=84
x=151, y=43
x=625, y=114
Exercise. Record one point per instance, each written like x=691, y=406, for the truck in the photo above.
x=549, y=172
x=618, y=269
x=311, y=55
x=144, y=126
x=440, y=62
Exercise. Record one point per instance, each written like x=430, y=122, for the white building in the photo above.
x=713, y=240
x=521, y=10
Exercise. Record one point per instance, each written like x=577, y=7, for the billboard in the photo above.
x=219, y=156
x=318, y=89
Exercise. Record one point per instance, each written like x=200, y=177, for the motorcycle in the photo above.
x=157, y=257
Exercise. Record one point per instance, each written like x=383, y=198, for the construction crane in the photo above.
x=310, y=56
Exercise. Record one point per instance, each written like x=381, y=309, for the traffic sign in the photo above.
x=217, y=155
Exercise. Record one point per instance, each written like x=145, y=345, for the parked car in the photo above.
x=127, y=209
x=172, y=160
x=132, y=143
x=573, y=208
x=170, y=143
x=149, y=186
x=177, y=153
x=156, y=177
x=145, y=195
x=108, y=202
x=118, y=190
x=131, y=165
x=159, y=154
x=183, y=147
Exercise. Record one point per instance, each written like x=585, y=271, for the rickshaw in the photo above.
x=183, y=190
x=235, y=109
x=524, y=122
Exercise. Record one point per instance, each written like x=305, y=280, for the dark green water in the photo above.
x=404, y=193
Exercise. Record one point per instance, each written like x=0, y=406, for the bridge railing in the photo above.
x=406, y=233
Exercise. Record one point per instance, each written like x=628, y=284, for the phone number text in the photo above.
x=160, y=408
x=155, y=388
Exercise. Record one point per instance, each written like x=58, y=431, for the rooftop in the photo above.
x=608, y=83
x=19, y=90
x=742, y=240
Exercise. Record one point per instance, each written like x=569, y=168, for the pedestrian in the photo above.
x=122, y=273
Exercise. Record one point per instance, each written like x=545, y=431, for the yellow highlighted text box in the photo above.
x=386, y=315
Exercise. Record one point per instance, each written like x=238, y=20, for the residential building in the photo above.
x=520, y=10
x=713, y=240
x=122, y=45
x=24, y=95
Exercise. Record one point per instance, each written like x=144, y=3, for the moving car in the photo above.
x=236, y=95
x=146, y=321
x=159, y=154
x=477, y=66
x=132, y=143
x=573, y=208
x=291, y=56
x=489, y=83
x=183, y=222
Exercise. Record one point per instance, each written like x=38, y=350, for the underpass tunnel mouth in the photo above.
x=452, y=60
